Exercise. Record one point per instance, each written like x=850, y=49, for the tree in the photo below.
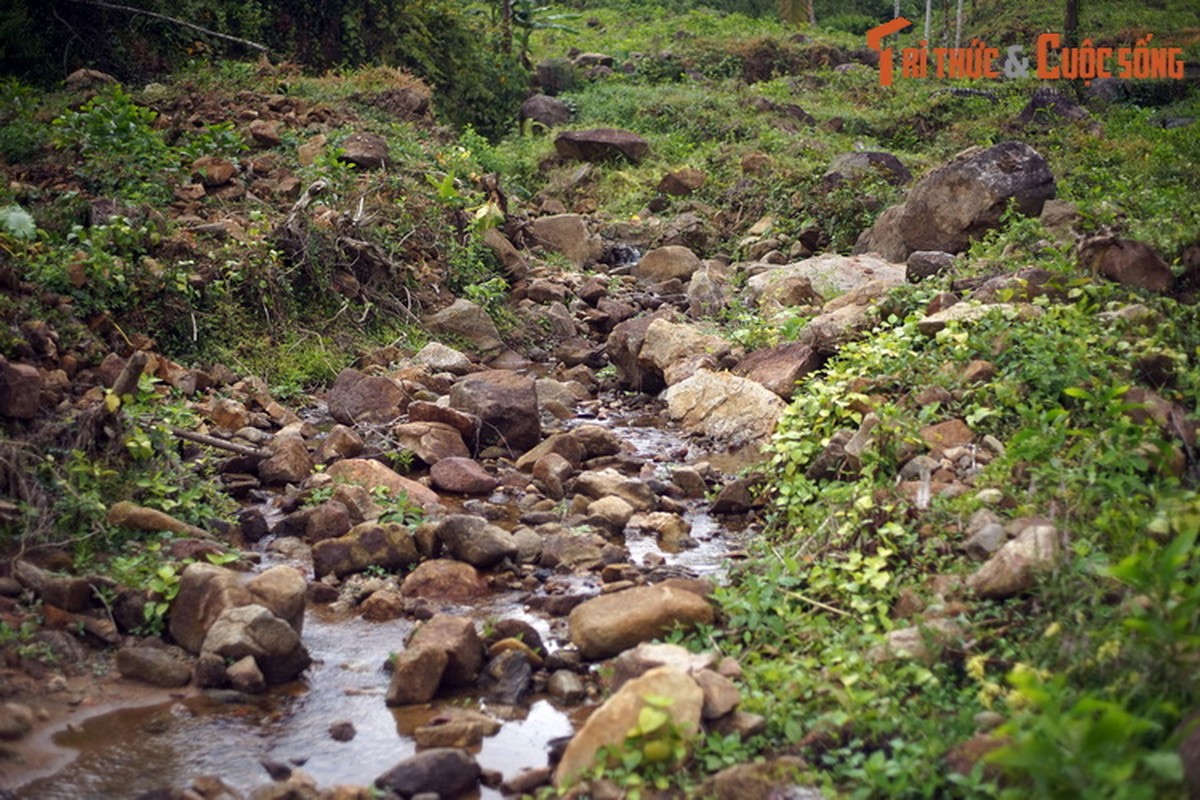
x=1071, y=23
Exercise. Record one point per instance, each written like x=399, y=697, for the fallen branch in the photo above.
x=220, y=444
x=207, y=32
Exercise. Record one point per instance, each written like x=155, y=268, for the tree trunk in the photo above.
x=958, y=25
x=1071, y=23
x=506, y=25
x=928, y=14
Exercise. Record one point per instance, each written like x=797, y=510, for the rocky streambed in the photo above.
x=352, y=714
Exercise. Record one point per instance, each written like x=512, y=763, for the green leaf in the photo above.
x=651, y=719
x=1165, y=764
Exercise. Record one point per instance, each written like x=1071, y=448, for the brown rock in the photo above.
x=606, y=625
x=364, y=150
x=761, y=781
x=388, y=545
x=139, y=518
x=20, y=390
x=682, y=182
x=290, y=461
x=665, y=263
x=601, y=144
x=431, y=441
x=779, y=368
x=944, y=435
x=457, y=638
x=462, y=476
x=152, y=665
x=466, y=424
x=372, y=474
x=445, y=580
x=212, y=171
x=416, y=675
x=355, y=397
x=1126, y=261
x=340, y=442
x=68, y=592
x=265, y=133
x=506, y=404
x=566, y=445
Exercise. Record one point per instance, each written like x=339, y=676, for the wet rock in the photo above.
x=689, y=481
x=445, y=772
x=456, y=727
x=416, y=674
x=245, y=676
x=723, y=406
x=959, y=201
x=506, y=404
x=578, y=550
x=609, y=725
x=372, y=474
x=1016, y=566
x=612, y=512
x=779, y=368
x=152, y=665
x=205, y=592
x=356, y=397
x=761, y=781
x=601, y=144
x=1127, y=262
x=672, y=530
x=602, y=483
x=677, y=351
x=387, y=545
x=462, y=476
x=527, y=782
x=456, y=637
x=566, y=686
x=512, y=673
x=16, y=720
x=665, y=263
x=464, y=319
x=252, y=630
x=738, y=496
x=383, y=606
x=364, y=150
x=609, y=624
x=431, y=441
x=343, y=731
x=598, y=441
x=476, y=541
x=443, y=580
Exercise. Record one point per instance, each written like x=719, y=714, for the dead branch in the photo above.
x=131, y=10
x=220, y=444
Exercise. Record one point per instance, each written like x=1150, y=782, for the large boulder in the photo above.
x=623, y=346
x=678, y=350
x=416, y=675
x=439, y=772
x=458, y=639
x=254, y=631
x=153, y=665
x=372, y=474
x=567, y=234
x=205, y=592
x=431, y=441
x=779, y=368
x=289, y=462
x=601, y=144
x=549, y=111
x=444, y=580
x=506, y=404
x=369, y=544
x=469, y=322
x=606, y=625
x=828, y=275
x=355, y=397
x=723, y=406
x=961, y=200
x=608, y=726
x=665, y=263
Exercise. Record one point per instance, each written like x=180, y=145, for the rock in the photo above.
x=1048, y=107
x=212, y=171
x=672, y=530
x=862, y=163
x=383, y=606
x=245, y=676
x=281, y=590
x=601, y=144
x=721, y=697
x=735, y=410
x=440, y=358
x=567, y=234
x=609, y=725
x=20, y=390
x=624, y=344
x=575, y=550
x=678, y=351
x=606, y=625
x=923, y=642
x=456, y=727
x=443, y=580
x=682, y=182
x=462, y=476
x=985, y=541
x=549, y=111
x=769, y=780
x=457, y=638
x=290, y=461
x=355, y=397
x=614, y=512
x=739, y=496
x=364, y=150
x=416, y=675
x=598, y=441
x=708, y=291
x=506, y=404
x=388, y=545
x=960, y=200
x=828, y=275
x=512, y=673
x=646, y=656
x=372, y=474
x=467, y=425
x=1127, y=262
x=922, y=264
x=597, y=484
x=443, y=771
x=152, y=665
x=265, y=133
x=568, y=445
x=1015, y=566
x=329, y=520
x=431, y=441
x=254, y=631
x=947, y=434
x=84, y=78
x=205, y=592
x=665, y=263
x=16, y=720
x=340, y=442
x=553, y=471
x=843, y=318
x=779, y=368
x=554, y=75
x=968, y=312
x=566, y=687
x=476, y=541
x=469, y=322
x=67, y=592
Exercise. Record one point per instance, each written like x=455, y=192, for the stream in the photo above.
x=125, y=752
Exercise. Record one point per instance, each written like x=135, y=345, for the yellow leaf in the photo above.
x=111, y=402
